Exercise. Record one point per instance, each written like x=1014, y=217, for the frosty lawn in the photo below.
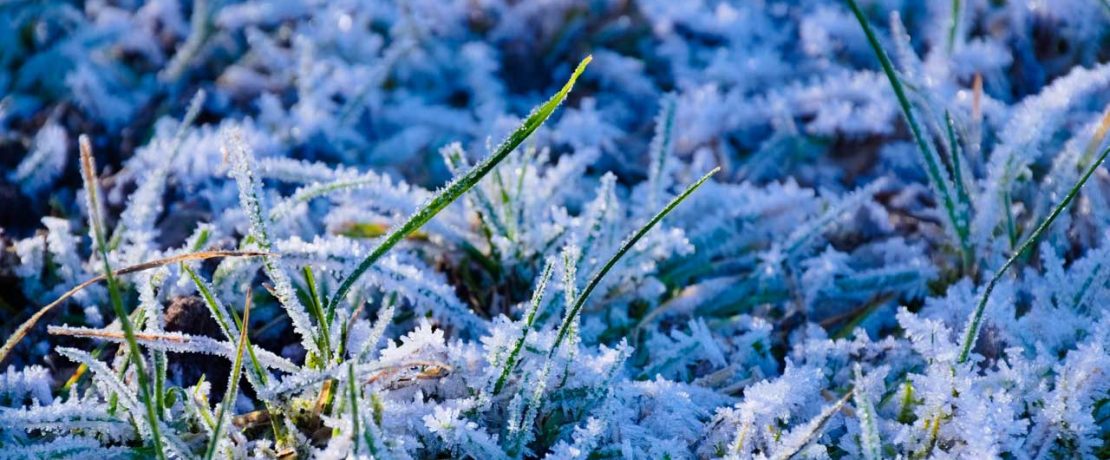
x=813, y=229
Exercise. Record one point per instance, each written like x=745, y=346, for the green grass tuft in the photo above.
x=624, y=248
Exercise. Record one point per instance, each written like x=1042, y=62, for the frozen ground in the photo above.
x=898, y=257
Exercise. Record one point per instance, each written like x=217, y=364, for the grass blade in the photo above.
x=624, y=248
x=870, y=443
x=240, y=157
x=317, y=310
x=460, y=185
x=954, y=24
x=974, y=322
x=534, y=305
x=956, y=153
x=88, y=174
x=232, y=384
x=805, y=434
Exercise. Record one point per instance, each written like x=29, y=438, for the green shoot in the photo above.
x=624, y=248
x=870, y=443
x=956, y=153
x=352, y=391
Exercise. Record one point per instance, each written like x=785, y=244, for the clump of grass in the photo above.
x=459, y=185
x=956, y=208
x=580, y=299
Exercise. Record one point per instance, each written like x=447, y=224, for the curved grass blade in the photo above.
x=24, y=328
x=624, y=248
x=975, y=321
x=460, y=185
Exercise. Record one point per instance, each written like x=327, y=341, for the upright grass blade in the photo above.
x=974, y=322
x=460, y=185
x=932, y=166
x=624, y=248
x=661, y=144
x=956, y=153
x=534, y=305
x=322, y=318
x=249, y=184
x=352, y=393
x=88, y=174
x=870, y=443
x=232, y=384
x=954, y=24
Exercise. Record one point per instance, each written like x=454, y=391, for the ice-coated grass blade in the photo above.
x=240, y=157
x=352, y=393
x=232, y=384
x=975, y=321
x=660, y=148
x=534, y=305
x=932, y=166
x=229, y=328
x=96, y=221
x=624, y=248
x=460, y=185
x=870, y=443
x=806, y=433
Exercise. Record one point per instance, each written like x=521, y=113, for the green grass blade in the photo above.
x=958, y=178
x=96, y=221
x=214, y=305
x=534, y=305
x=322, y=318
x=232, y=384
x=954, y=24
x=624, y=248
x=932, y=166
x=974, y=322
x=460, y=185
